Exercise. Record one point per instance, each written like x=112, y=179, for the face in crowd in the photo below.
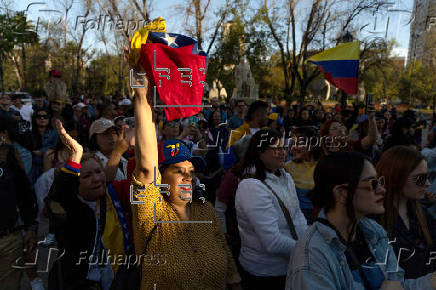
x=179, y=176
x=42, y=118
x=369, y=195
x=305, y=115
x=171, y=130
x=216, y=118
x=106, y=141
x=5, y=100
x=347, y=183
x=319, y=115
x=274, y=156
x=261, y=116
x=241, y=108
x=417, y=182
x=56, y=107
x=92, y=184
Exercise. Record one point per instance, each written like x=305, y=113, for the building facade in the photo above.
x=422, y=43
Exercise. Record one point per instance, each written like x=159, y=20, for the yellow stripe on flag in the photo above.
x=140, y=38
x=344, y=51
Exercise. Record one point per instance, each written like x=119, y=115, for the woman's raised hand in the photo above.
x=139, y=79
x=73, y=147
x=126, y=139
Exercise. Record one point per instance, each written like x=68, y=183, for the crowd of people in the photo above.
x=266, y=195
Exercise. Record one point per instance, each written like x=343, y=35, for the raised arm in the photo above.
x=145, y=136
x=125, y=140
x=371, y=138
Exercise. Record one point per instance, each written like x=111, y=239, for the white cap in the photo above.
x=79, y=105
x=125, y=102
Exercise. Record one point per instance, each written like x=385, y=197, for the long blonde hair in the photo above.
x=395, y=165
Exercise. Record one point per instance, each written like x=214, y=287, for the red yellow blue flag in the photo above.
x=340, y=66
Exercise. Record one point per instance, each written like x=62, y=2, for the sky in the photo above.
x=398, y=27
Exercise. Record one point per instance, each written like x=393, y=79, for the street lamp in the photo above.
x=346, y=36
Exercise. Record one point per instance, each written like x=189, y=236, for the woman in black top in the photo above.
x=411, y=230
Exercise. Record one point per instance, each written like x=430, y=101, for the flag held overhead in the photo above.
x=340, y=66
x=140, y=37
x=177, y=71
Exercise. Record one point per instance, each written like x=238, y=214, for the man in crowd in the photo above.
x=26, y=111
x=257, y=117
x=17, y=203
x=238, y=119
x=6, y=110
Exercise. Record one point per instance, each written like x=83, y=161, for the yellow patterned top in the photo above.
x=180, y=255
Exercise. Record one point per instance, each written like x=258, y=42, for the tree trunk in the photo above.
x=2, y=82
x=198, y=23
x=24, y=71
x=120, y=75
x=18, y=72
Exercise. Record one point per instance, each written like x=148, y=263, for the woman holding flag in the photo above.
x=175, y=225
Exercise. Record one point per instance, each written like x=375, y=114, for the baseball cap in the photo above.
x=99, y=126
x=173, y=151
x=55, y=73
x=79, y=105
x=125, y=102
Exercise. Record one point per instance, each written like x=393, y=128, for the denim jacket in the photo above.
x=319, y=261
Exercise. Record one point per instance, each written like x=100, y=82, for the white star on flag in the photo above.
x=170, y=39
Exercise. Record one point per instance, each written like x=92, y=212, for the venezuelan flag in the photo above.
x=340, y=65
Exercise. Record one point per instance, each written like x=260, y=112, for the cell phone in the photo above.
x=194, y=121
x=130, y=121
x=368, y=102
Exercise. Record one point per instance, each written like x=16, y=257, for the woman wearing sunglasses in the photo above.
x=343, y=249
x=406, y=222
x=44, y=137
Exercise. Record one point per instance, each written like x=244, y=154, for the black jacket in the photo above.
x=17, y=198
x=75, y=233
x=414, y=255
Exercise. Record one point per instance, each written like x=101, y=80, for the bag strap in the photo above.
x=285, y=213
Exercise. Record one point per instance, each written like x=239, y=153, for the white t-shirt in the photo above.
x=26, y=112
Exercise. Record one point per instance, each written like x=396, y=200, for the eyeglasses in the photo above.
x=42, y=117
x=340, y=127
x=421, y=179
x=373, y=183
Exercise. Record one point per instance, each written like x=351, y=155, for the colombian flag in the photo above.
x=340, y=65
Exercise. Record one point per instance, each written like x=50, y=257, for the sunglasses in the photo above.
x=42, y=117
x=421, y=179
x=373, y=183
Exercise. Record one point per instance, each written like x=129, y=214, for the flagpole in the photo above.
x=346, y=36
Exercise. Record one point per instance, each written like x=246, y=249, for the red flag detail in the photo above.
x=177, y=75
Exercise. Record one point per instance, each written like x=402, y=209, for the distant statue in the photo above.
x=245, y=86
x=222, y=91
x=322, y=89
x=55, y=88
x=213, y=92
